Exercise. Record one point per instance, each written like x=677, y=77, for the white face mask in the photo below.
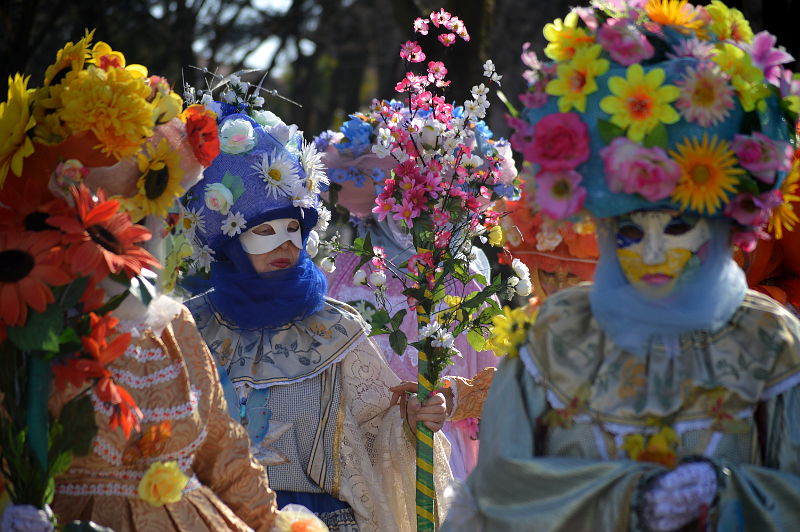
x=285, y=230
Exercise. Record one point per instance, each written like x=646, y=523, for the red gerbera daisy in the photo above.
x=29, y=266
x=101, y=239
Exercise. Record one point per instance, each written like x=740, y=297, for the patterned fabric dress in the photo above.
x=174, y=382
x=313, y=395
x=562, y=420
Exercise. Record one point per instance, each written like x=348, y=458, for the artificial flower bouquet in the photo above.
x=441, y=189
x=296, y=518
x=637, y=100
x=70, y=253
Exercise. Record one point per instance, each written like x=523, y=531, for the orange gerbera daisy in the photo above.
x=27, y=205
x=101, y=239
x=29, y=266
x=678, y=13
x=201, y=128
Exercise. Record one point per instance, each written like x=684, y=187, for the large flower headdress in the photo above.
x=265, y=170
x=661, y=104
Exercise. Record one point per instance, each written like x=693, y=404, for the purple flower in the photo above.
x=767, y=57
x=753, y=211
x=762, y=156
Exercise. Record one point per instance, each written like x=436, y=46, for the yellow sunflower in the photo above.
x=639, y=102
x=565, y=38
x=112, y=104
x=746, y=78
x=678, y=13
x=728, y=23
x=576, y=79
x=71, y=55
x=159, y=183
x=784, y=217
x=15, y=122
x=708, y=174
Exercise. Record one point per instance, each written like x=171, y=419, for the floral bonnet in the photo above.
x=265, y=171
x=661, y=104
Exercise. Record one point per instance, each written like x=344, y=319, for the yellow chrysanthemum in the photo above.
x=708, y=174
x=576, y=79
x=677, y=13
x=159, y=183
x=728, y=23
x=639, y=102
x=565, y=38
x=746, y=78
x=111, y=104
x=784, y=217
x=508, y=331
x=15, y=122
x=71, y=55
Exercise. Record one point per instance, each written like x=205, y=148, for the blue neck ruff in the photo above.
x=251, y=300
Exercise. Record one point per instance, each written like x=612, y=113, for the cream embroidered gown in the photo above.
x=314, y=398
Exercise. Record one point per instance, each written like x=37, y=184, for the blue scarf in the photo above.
x=251, y=300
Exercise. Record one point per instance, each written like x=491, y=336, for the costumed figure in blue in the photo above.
x=664, y=396
x=299, y=369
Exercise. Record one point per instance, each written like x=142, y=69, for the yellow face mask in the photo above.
x=656, y=248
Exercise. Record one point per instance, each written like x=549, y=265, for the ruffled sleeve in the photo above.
x=224, y=462
x=514, y=488
x=470, y=394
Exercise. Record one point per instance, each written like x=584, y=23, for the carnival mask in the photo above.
x=657, y=248
x=270, y=235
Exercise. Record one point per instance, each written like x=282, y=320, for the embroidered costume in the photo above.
x=664, y=396
x=299, y=370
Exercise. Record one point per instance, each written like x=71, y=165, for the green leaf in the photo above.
x=41, y=332
x=511, y=109
x=476, y=340
x=78, y=418
x=398, y=341
x=69, y=295
x=609, y=131
x=398, y=318
x=657, y=137
x=61, y=463
x=748, y=184
x=234, y=184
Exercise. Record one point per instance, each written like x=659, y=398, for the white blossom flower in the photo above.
x=236, y=136
x=278, y=172
x=257, y=101
x=327, y=264
x=324, y=218
x=229, y=96
x=218, y=198
x=443, y=338
x=496, y=78
x=520, y=269
x=202, y=257
x=360, y=277
x=429, y=329
x=523, y=287
x=193, y=221
x=234, y=224
x=377, y=278
x=513, y=281
x=488, y=68
x=381, y=150
x=479, y=90
x=312, y=244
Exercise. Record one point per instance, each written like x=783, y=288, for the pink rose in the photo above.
x=762, y=156
x=560, y=142
x=754, y=211
x=559, y=193
x=634, y=169
x=624, y=43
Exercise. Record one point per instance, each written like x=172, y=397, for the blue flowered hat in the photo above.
x=658, y=105
x=264, y=171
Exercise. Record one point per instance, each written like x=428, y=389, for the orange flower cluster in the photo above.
x=201, y=128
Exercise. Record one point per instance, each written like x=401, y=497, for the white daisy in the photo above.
x=429, y=329
x=202, y=257
x=311, y=160
x=323, y=220
x=193, y=221
x=234, y=224
x=278, y=172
